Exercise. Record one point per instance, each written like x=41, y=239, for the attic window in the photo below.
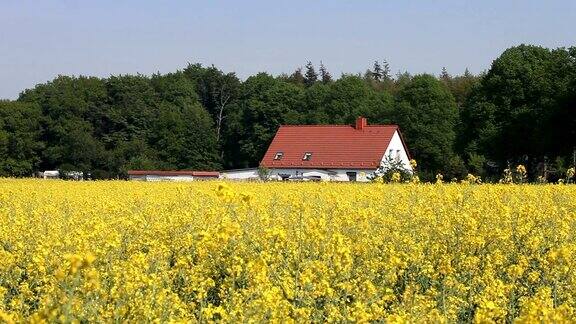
x=278, y=156
x=307, y=156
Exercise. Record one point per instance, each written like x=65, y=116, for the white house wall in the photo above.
x=361, y=174
x=324, y=174
x=169, y=178
x=161, y=178
x=242, y=174
x=396, y=145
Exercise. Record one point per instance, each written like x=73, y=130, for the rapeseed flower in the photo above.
x=286, y=252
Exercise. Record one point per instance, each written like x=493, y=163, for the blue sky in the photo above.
x=41, y=39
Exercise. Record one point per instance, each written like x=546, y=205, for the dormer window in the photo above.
x=278, y=156
x=307, y=156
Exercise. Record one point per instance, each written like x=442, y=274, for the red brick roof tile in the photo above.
x=175, y=173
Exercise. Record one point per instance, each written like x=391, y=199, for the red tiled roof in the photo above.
x=332, y=146
x=206, y=173
x=175, y=173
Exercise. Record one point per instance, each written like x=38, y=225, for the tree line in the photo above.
x=520, y=111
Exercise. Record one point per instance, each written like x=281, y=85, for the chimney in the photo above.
x=361, y=122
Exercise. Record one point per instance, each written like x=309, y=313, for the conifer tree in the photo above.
x=386, y=76
x=444, y=76
x=297, y=77
x=324, y=74
x=377, y=71
x=310, y=77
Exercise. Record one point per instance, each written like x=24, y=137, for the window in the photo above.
x=351, y=176
x=278, y=156
x=307, y=156
x=390, y=153
x=397, y=155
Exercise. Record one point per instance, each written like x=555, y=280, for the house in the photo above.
x=50, y=174
x=334, y=152
x=156, y=175
x=241, y=174
x=56, y=174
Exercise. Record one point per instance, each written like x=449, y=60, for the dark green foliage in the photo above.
x=297, y=77
x=379, y=77
x=183, y=138
x=109, y=126
x=377, y=72
x=311, y=76
x=218, y=92
x=20, y=144
x=266, y=104
x=350, y=97
x=69, y=107
x=460, y=86
x=426, y=113
x=325, y=76
x=520, y=111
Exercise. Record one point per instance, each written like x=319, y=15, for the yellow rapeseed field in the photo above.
x=305, y=252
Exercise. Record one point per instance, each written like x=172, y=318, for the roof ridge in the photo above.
x=331, y=125
x=316, y=126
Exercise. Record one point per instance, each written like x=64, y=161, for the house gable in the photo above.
x=397, y=150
